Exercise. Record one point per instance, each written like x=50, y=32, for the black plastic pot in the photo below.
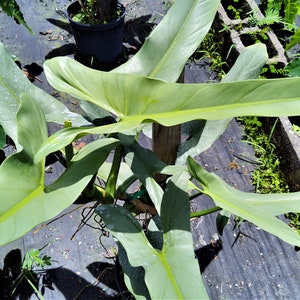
x=103, y=41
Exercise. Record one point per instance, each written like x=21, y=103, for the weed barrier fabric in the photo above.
x=248, y=264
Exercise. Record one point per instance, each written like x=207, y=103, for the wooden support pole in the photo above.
x=166, y=141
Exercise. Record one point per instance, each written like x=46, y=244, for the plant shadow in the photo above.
x=63, y=25
x=73, y=286
x=207, y=254
x=12, y=284
x=135, y=32
x=53, y=280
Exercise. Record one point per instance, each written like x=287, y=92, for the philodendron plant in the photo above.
x=158, y=263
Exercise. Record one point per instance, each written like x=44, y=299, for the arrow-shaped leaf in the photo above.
x=22, y=181
x=135, y=99
x=247, y=66
x=179, y=274
x=164, y=54
x=249, y=206
x=12, y=84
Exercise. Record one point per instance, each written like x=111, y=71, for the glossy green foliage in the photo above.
x=291, y=11
x=202, y=134
x=22, y=180
x=295, y=39
x=143, y=91
x=172, y=272
x=55, y=112
x=12, y=84
x=175, y=39
x=278, y=97
x=256, y=208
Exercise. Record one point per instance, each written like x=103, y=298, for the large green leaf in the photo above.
x=247, y=66
x=249, y=206
x=173, y=41
x=84, y=164
x=179, y=274
x=187, y=23
x=12, y=84
x=22, y=181
x=122, y=95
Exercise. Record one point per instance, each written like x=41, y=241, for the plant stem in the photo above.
x=69, y=148
x=204, y=212
x=39, y=295
x=121, y=191
x=110, y=187
x=195, y=196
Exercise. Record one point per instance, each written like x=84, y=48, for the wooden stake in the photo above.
x=166, y=141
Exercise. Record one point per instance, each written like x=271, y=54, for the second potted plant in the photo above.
x=98, y=27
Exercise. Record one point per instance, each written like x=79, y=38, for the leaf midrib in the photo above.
x=172, y=45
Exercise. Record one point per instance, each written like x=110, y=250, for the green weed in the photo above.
x=211, y=49
x=268, y=178
x=33, y=259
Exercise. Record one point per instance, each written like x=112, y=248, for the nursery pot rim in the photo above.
x=100, y=26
